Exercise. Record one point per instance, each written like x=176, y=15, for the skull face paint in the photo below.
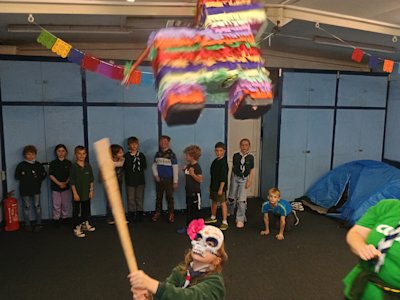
x=208, y=239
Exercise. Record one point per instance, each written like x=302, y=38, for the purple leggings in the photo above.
x=61, y=202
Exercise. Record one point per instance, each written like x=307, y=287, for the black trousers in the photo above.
x=193, y=206
x=80, y=212
x=166, y=185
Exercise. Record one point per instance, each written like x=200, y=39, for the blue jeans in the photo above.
x=238, y=197
x=36, y=205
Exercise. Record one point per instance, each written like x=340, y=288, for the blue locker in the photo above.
x=301, y=88
x=305, y=149
x=359, y=135
x=21, y=80
x=363, y=91
x=62, y=82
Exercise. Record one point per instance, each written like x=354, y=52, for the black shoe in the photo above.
x=57, y=223
x=139, y=216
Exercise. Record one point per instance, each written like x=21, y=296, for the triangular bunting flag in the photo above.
x=105, y=69
x=135, y=77
x=118, y=73
x=61, y=48
x=388, y=65
x=46, y=39
x=90, y=63
x=373, y=62
x=75, y=56
x=357, y=55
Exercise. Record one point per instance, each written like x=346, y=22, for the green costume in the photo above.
x=381, y=219
x=207, y=287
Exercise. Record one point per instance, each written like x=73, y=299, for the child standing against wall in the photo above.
x=59, y=177
x=165, y=172
x=134, y=166
x=218, y=184
x=81, y=180
x=242, y=176
x=30, y=174
x=194, y=177
x=117, y=154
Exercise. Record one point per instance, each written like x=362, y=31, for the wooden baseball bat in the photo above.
x=107, y=169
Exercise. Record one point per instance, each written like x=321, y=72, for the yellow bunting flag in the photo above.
x=388, y=65
x=46, y=39
x=61, y=48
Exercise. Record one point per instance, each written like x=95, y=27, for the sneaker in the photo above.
x=110, y=222
x=78, y=232
x=156, y=216
x=211, y=221
x=182, y=230
x=86, y=226
x=171, y=218
x=296, y=217
x=224, y=226
x=239, y=224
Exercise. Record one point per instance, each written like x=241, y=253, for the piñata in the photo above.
x=220, y=56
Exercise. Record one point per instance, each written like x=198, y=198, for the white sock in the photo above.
x=213, y=217
x=225, y=222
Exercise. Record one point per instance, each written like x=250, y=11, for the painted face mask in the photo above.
x=209, y=239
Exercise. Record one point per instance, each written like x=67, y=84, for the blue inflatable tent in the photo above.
x=366, y=182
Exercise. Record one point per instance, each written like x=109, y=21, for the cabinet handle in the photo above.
x=360, y=150
x=306, y=151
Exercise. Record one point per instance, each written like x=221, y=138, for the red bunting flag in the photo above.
x=135, y=77
x=388, y=65
x=357, y=55
x=90, y=63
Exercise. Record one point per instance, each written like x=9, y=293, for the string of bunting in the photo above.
x=358, y=54
x=87, y=62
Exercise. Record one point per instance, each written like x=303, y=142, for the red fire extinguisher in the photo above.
x=10, y=206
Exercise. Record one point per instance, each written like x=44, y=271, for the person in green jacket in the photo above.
x=376, y=240
x=199, y=277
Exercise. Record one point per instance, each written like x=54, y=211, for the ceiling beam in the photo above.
x=283, y=13
x=288, y=12
x=123, y=8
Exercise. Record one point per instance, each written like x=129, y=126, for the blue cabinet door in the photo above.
x=362, y=90
x=209, y=129
x=309, y=89
x=21, y=81
x=305, y=149
x=359, y=135
x=62, y=82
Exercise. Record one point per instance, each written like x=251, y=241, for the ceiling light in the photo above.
x=130, y=0
x=351, y=44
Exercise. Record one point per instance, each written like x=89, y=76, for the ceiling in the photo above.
x=119, y=29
